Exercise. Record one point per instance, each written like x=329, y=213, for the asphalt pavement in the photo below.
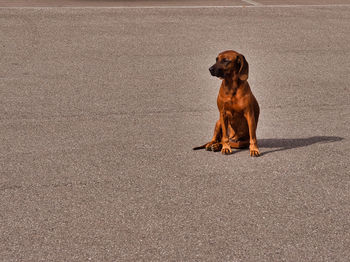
x=100, y=109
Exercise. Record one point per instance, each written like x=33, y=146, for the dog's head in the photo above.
x=230, y=64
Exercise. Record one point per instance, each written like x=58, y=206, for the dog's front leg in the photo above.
x=253, y=148
x=224, y=122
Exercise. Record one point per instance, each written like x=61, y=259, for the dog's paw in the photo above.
x=216, y=147
x=254, y=151
x=226, y=150
x=212, y=146
x=208, y=146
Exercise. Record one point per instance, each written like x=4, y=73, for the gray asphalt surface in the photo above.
x=100, y=109
x=118, y=3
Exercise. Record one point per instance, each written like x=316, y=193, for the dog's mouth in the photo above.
x=217, y=72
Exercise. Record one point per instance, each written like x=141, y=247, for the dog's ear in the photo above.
x=242, y=67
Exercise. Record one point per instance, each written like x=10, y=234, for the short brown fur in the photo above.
x=239, y=109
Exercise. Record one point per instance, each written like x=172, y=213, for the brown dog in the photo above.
x=239, y=110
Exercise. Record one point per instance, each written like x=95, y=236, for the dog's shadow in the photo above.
x=290, y=143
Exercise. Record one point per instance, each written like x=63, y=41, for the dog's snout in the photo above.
x=212, y=70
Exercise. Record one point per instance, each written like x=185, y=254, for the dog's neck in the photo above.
x=231, y=84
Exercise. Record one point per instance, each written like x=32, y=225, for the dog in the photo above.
x=238, y=107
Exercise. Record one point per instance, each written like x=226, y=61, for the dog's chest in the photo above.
x=231, y=99
x=231, y=104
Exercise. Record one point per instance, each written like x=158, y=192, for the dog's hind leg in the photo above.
x=239, y=144
x=215, y=141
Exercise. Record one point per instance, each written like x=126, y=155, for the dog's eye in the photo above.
x=226, y=60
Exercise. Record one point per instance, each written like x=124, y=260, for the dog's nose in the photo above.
x=212, y=70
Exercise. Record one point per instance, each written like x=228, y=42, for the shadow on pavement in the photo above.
x=289, y=143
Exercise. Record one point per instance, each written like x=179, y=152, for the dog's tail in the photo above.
x=200, y=147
